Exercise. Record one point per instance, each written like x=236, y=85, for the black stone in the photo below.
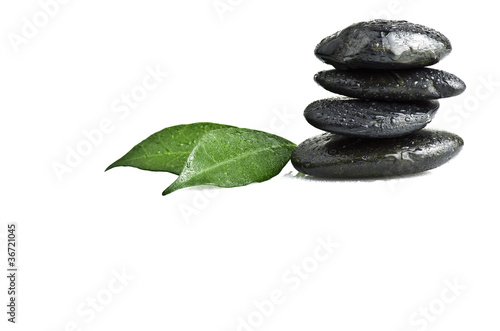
x=333, y=156
x=383, y=44
x=403, y=85
x=370, y=119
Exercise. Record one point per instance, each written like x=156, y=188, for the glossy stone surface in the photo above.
x=383, y=44
x=370, y=119
x=402, y=85
x=334, y=156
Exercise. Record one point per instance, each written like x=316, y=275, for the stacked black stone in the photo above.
x=376, y=130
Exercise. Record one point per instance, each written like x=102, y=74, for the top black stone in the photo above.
x=383, y=44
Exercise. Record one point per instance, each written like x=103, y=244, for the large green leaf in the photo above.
x=234, y=157
x=168, y=149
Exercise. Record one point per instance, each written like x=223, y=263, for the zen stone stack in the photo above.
x=390, y=96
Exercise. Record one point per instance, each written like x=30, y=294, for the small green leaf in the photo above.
x=234, y=157
x=168, y=149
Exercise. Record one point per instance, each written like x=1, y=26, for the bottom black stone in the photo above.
x=334, y=156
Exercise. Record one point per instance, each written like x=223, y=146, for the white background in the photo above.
x=198, y=259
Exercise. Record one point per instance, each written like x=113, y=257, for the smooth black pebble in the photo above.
x=370, y=119
x=334, y=156
x=383, y=44
x=401, y=85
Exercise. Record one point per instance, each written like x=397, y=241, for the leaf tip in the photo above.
x=173, y=187
x=111, y=166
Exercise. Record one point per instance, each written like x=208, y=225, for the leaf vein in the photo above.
x=240, y=156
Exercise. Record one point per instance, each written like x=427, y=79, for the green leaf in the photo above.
x=168, y=149
x=234, y=157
